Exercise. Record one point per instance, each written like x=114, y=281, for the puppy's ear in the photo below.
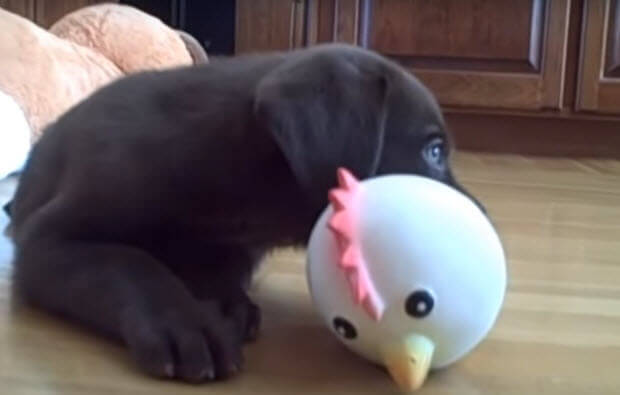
x=325, y=110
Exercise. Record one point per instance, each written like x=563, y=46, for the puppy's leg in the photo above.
x=125, y=292
x=222, y=274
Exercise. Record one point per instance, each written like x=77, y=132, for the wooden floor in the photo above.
x=559, y=332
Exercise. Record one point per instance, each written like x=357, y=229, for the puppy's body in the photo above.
x=162, y=145
x=143, y=210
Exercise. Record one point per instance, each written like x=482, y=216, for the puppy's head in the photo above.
x=336, y=105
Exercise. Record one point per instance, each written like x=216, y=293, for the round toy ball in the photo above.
x=407, y=272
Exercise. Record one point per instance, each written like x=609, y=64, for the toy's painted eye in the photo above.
x=419, y=304
x=344, y=328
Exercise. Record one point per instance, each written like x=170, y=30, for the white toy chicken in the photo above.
x=406, y=271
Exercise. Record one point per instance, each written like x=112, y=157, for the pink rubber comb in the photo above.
x=344, y=225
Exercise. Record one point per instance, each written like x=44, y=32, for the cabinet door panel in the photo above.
x=612, y=64
x=599, y=84
x=462, y=30
x=481, y=53
x=268, y=25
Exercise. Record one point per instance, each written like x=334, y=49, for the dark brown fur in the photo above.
x=143, y=210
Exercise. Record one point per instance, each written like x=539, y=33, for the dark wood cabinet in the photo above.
x=599, y=84
x=476, y=53
x=265, y=25
x=24, y=8
x=540, y=75
x=495, y=54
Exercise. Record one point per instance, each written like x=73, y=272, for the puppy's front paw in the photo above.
x=194, y=344
x=245, y=314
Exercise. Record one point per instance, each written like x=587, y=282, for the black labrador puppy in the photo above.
x=144, y=209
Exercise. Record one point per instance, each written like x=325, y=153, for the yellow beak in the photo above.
x=409, y=361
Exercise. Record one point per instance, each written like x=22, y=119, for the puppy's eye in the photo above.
x=419, y=304
x=435, y=151
x=344, y=328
